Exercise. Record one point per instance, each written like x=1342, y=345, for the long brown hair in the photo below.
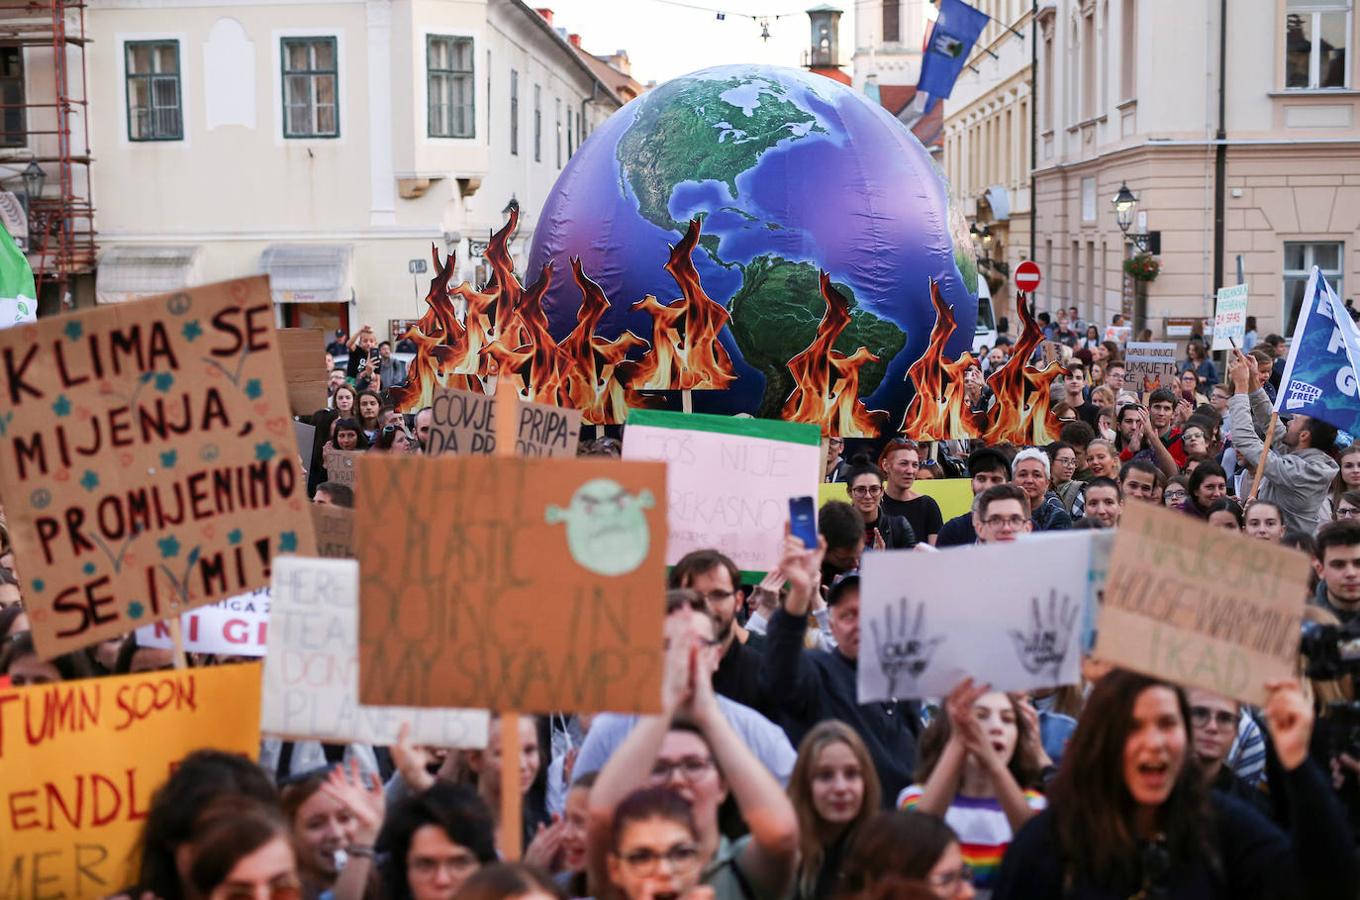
x=1093, y=811
x=903, y=844
x=1338, y=484
x=811, y=846
x=1023, y=764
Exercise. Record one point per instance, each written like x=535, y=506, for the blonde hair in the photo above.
x=812, y=849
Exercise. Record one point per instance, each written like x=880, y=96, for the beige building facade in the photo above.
x=1128, y=93
x=329, y=144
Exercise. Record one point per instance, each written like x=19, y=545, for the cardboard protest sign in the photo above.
x=311, y=674
x=334, y=531
x=1201, y=606
x=1230, y=318
x=79, y=761
x=340, y=464
x=464, y=422
x=306, y=441
x=1320, y=375
x=237, y=626
x=304, y=368
x=1120, y=334
x=730, y=480
x=147, y=459
x=1006, y=614
x=524, y=584
x=1149, y=365
x=954, y=495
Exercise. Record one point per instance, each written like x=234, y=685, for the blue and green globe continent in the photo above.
x=789, y=173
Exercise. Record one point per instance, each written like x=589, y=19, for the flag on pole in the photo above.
x=1319, y=378
x=18, y=297
x=951, y=39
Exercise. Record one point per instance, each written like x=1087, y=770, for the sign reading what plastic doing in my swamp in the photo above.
x=529, y=585
x=80, y=760
x=237, y=626
x=311, y=673
x=1007, y=614
x=147, y=459
x=730, y=480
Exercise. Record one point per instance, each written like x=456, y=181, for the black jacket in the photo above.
x=811, y=685
x=895, y=530
x=741, y=677
x=1315, y=860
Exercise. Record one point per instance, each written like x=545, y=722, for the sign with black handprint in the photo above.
x=1044, y=645
x=1010, y=615
x=904, y=647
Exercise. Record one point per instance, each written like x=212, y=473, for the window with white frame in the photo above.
x=154, y=107
x=538, y=123
x=1299, y=259
x=557, y=103
x=514, y=113
x=1316, y=34
x=310, y=88
x=1088, y=199
x=449, y=75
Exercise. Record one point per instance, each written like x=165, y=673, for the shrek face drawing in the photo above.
x=606, y=526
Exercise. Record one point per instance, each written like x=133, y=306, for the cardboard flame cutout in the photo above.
x=1020, y=412
x=504, y=331
x=826, y=381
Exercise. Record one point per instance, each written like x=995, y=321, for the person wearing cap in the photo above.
x=1030, y=473
x=986, y=467
x=809, y=686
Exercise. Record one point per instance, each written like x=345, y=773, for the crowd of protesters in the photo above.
x=763, y=776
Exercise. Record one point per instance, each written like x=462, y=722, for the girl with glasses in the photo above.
x=1347, y=506
x=864, y=484
x=1347, y=479
x=654, y=846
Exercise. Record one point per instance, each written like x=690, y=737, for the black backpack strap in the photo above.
x=285, y=761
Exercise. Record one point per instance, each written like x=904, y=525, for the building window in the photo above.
x=1299, y=259
x=1315, y=37
x=1088, y=66
x=1128, y=50
x=557, y=103
x=892, y=22
x=1046, y=98
x=571, y=133
x=1088, y=199
x=448, y=62
x=12, y=130
x=514, y=113
x=538, y=123
x=310, y=88
x=153, y=96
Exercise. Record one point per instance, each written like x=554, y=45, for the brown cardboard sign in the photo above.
x=1201, y=606
x=334, y=531
x=464, y=423
x=304, y=368
x=339, y=464
x=147, y=459
x=521, y=584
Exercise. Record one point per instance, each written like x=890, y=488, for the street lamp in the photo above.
x=33, y=176
x=1123, y=203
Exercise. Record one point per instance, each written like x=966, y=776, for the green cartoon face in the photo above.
x=606, y=527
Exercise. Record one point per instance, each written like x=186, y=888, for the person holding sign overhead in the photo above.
x=1128, y=814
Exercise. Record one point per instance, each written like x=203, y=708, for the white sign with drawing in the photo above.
x=1009, y=615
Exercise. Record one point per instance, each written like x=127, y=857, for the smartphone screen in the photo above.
x=803, y=520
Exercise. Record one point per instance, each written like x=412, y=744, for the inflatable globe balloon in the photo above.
x=772, y=236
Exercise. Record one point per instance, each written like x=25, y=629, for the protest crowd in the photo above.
x=763, y=775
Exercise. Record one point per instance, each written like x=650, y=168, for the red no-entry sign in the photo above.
x=1027, y=276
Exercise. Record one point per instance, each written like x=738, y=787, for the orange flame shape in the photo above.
x=826, y=381
x=1021, y=411
x=685, y=352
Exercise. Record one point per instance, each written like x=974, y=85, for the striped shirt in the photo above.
x=981, y=824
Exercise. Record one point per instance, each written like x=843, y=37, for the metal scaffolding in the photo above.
x=44, y=121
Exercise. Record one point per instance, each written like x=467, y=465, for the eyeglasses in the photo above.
x=952, y=882
x=1067, y=418
x=1347, y=512
x=691, y=768
x=867, y=490
x=716, y=596
x=1174, y=495
x=644, y=860
x=1200, y=716
x=429, y=867
x=998, y=521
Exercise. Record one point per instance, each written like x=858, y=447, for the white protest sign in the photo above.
x=1087, y=548
x=1230, y=317
x=729, y=479
x=1149, y=365
x=1008, y=614
x=238, y=626
x=311, y=672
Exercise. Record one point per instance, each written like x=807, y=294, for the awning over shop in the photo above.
x=310, y=273
x=999, y=199
x=128, y=272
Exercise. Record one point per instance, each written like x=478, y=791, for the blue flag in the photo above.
x=1319, y=377
x=951, y=40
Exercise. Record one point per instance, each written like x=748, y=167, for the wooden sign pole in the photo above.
x=512, y=832
x=687, y=401
x=1265, y=452
x=177, y=642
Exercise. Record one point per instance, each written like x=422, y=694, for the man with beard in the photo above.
x=716, y=579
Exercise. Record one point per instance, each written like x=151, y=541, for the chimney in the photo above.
x=575, y=40
x=546, y=13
